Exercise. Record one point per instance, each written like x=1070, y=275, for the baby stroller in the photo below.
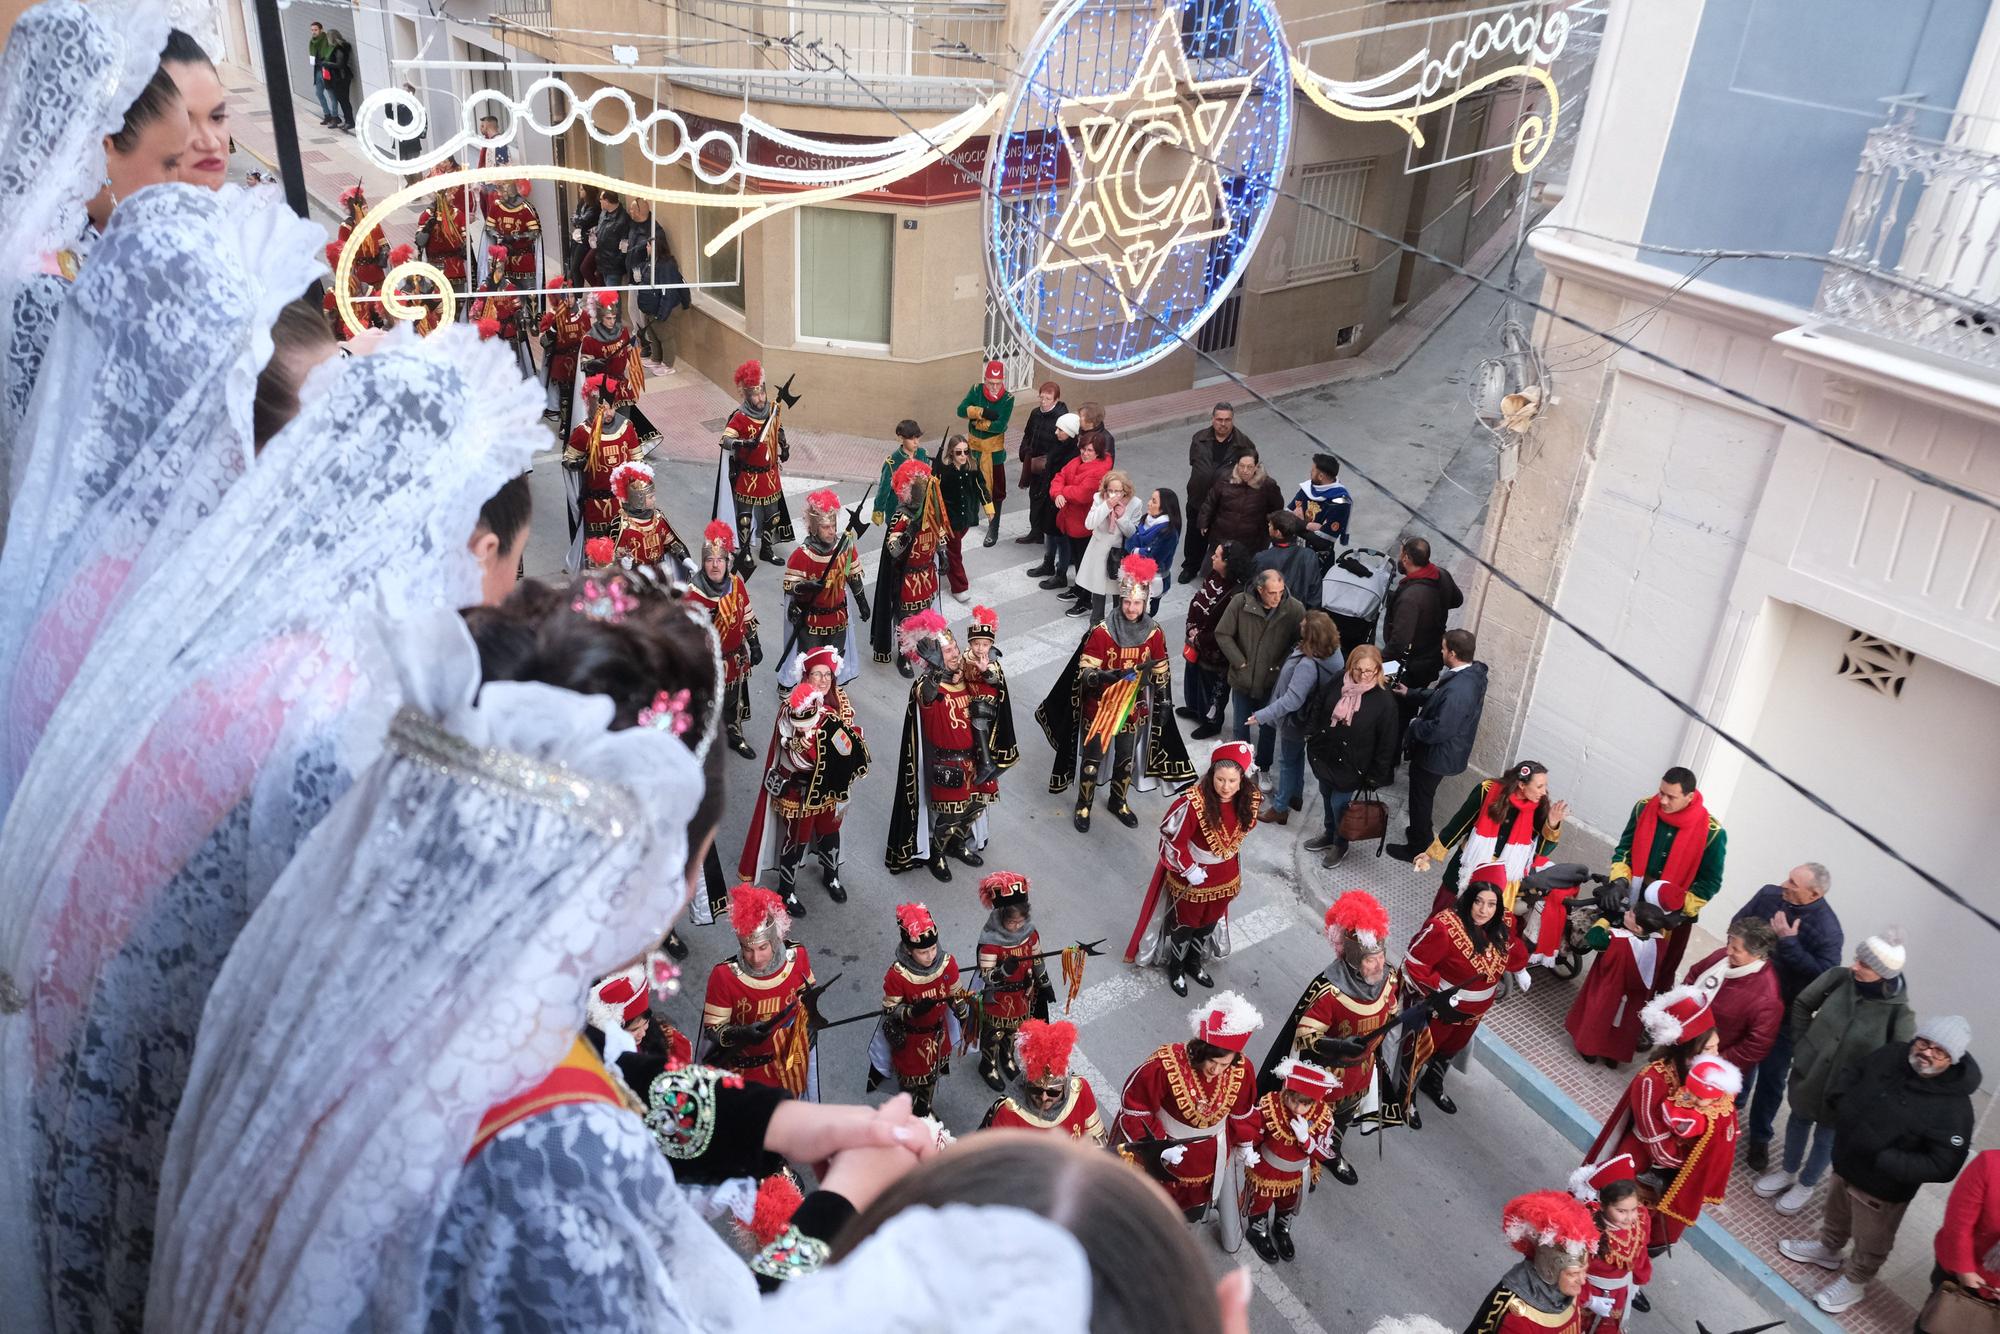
x=1352, y=593
x=1556, y=907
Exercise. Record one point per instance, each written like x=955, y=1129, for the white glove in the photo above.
x=1247, y=1155
x=1302, y=1129
x=1172, y=1157
x=1522, y=980
x=1601, y=1307
x=1542, y=960
x=1197, y=874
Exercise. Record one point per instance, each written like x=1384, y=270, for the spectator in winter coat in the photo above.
x=1113, y=516
x=1256, y=633
x=1206, y=682
x=1835, y=1022
x=1414, y=618
x=612, y=241
x=966, y=505
x=1901, y=1118
x=1749, y=1011
x=1072, y=492
x=1968, y=1245
x=1214, y=449
x=1356, y=749
x=1307, y=672
x=1091, y=415
x=1809, y=942
x=1239, y=506
x=1038, y=443
x=1156, y=538
x=1290, y=556
x=337, y=67
x=580, y=256
x=1440, y=736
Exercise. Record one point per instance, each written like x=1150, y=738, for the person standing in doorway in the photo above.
x=1810, y=941
x=317, y=46
x=338, y=67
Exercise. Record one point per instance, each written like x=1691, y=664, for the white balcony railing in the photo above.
x=1917, y=260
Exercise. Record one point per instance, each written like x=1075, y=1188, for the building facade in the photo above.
x=1838, y=615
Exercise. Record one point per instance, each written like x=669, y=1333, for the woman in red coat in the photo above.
x=1968, y=1245
x=1749, y=1010
x=1071, y=493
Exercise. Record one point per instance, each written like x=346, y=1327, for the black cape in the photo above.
x=1060, y=715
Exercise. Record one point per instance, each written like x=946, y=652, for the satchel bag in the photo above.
x=1111, y=559
x=1366, y=817
x=1953, y=1310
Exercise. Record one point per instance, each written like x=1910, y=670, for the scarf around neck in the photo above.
x=1351, y=692
x=1690, y=826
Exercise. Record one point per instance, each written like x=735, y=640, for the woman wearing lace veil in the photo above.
x=515, y=849
x=72, y=77
x=221, y=712
x=143, y=420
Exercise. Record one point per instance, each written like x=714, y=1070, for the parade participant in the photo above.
x=1456, y=961
x=431, y=312
x=368, y=313
x=1619, y=1266
x=1555, y=1236
x=1671, y=836
x=441, y=228
x=1047, y=1096
x=1116, y=694
x=819, y=575
x=1604, y=1021
x=1014, y=984
x=1325, y=507
x=493, y=302
x=754, y=448
x=370, y=250
x=607, y=349
x=561, y=328
x=1677, y=1118
x=993, y=743
x=758, y=1015
x=1198, y=1096
x=1292, y=1130
x=817, y=755
x=512, y=219
x=907, y=582
x=644, y=537
x=987, y=407
x=1201, y=838
x=941, y=804
x=720, y=591
x=598, y=447
x=922, y=1011
x=909, y=445
x=1344, y=1015
x=1509, y=820
x=621, y=1010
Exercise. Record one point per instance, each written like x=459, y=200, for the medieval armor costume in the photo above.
x=1184, y=918
x=441, y=229
x=368, y=312
x=923, y=1012
x=749, y=483
x=1292, y=1131
x=607, y=349
x=1343, y=1016
x=644, y=537
x=1046, y=1096
x=562, y=328
x=912, y=549
x=1013, y=983
x=758, y=1018
x=605, y=442
x=497, y=311
x=511, y=220
x=987, y=407
x=993, y=741
x=422, y=292
x=1555, y=1236
x=941, y=804
x=817, y=755
x=719, y=590
x=370, y=250
x=819, y=575
x=1180, y=1121
x=1116, y=695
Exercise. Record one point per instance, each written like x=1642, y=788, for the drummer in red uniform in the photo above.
x=756, y=1019
x=923, y=1009
x=1184, y=918
x=1555, y=1236
x=1047, y=1098
x=1198, y=1094
x=1457, y=961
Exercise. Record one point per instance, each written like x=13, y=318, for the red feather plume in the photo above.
x=402, y=254
x=750, y=906
x=1139, y=569
x=718, y=531
x=926, y=622
x=1044, y=1049
x=489, y=327
x=1548, y=1218
x=496, y=252
x=749, y=374
x=599, y=551
x=778, y=1199
x=1357, y=911
x=985, y=616
x=999, y=883
x=914, y=919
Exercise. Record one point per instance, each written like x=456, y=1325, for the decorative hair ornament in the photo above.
x=669, y=712
x=669, y=580
x=605, y=807
x=1524, y=770
x=606, y=599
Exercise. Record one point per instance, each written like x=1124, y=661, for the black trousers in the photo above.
x=1423, y=801
x=1041, y=510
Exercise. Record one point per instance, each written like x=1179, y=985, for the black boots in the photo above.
x=1086, y=792
x=829, y=869
x=738, y=744
x=992, y=529
x=992, y=1076
x=1258, y=1234
x=1432, y=1084
x=1121, y=783
x=1281, y=1232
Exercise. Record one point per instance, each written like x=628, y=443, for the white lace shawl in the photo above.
x=426, y=955
x=213, y=724
x=141, y=422
x=67, y=76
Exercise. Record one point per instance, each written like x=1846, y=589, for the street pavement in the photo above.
x=1420, y=1233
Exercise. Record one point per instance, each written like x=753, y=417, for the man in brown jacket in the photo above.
x=1213, y=451
x=1258, y=629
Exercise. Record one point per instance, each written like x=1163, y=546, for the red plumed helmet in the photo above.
x=1044, y=1049
x=593, y=384
x=599, y=551
x=823, y=502
x=333, y=254
x=522, y=185
x=1137, y=572
x=929, y=621
x=489, y=327
x=625, y=474
x=352, y=193
x=915, y=922
x=402, y=254
x=778, y=1199
x=556, y=280
x=986, y=616
x=751, y=906
x=605, y=297
x=1002, y=885
x=496, y=252
x=1549, y=1218
x=719, y=534
x=1360, y=915
x=749, y=375
x=910, y=471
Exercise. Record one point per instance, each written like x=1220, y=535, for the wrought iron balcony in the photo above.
x=1917, y=260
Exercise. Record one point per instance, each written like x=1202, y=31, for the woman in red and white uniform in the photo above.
x=1619, y=1266
x=1457, y=960
x=1199, y=871
x=1199, y=1094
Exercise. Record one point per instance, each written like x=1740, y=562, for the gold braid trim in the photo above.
x=1489, y=963
x=1184, y=1082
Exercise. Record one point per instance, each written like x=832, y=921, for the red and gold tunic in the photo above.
x=601, y=451
x=498, y=305
x=1198, y=856
x=1101, y=652
x=1616, y=1268
x=518, y=227
x=370, y=253
x=734, y=619
x=649, y=540
x=1331, y=1011
x=914, y=535
x=1278, y=1177
x=947, y=753
x=782, y=1059
x=826, y=574
x=617, y=358
x=919, y=1042
x=442, y=226
x=1168, y=1098
x=1504, y=1312
x=1010, y=997
x=1442, y=956
x=1687, y=1142
x=567, y=325
x=1077, y=1118
x=755, y=479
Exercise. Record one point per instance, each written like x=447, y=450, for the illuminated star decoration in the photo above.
x=1131, y=208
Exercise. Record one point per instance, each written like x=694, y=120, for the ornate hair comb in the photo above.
x=605, y=600
x=669, y=712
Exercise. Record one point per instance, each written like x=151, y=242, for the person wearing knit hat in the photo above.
x=1901, y=1119
x=1555, y=1235
x=987, y=408
x=1839, y=1018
